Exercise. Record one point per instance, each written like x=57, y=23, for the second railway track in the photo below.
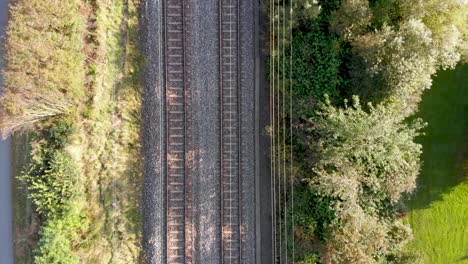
x=231, y=191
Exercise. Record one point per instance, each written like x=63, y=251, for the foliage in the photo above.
x=54, y=247
x=316, y=62
x=310, y=259
x=447, y=21
x=44, y=62
x=52, y=182
x=399, y=45
x=53, y=185
x=395, y=64
x=52, y=176
x=368, y=159
x=373, y=151
x=352, y=19
x=362, y=160
x=385, y=13
x=312, y=212
x=57, y=237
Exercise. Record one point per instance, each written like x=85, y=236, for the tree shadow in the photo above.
x=445, y=148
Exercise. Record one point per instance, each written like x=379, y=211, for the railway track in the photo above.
x=177, y=191
x=178, y=244
x=231, y=191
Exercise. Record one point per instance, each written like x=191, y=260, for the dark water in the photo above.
x=6, y=230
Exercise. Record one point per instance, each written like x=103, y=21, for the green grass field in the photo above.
x=439, y=209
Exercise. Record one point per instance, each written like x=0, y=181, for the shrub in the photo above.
x=53, y=186
x=352, y=19
x=52, y=175
x=52, y=183
x=399, y=45
x=57, y=237
x=368, y=159
x=374, y=148
x=312, y=212
x=391, y=63
x=54, y=246
x=447, y=21
x=316, y=68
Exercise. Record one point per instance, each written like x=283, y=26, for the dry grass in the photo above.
x=109, y=139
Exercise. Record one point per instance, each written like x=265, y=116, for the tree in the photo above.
x=352, y=18
x=368, y=160
x=448, y=23
x=397, y=63
x=398, y=45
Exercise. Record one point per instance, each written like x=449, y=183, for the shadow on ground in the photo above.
x=445, y=148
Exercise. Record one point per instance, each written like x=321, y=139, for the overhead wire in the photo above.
x=230, y=125
x=278, y=129
x=283, y=95
x=273, y=126
x=291, y=126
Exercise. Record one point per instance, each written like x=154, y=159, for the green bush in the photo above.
x=54, y=247
x=57, y=236
x=368, y=160
x=52, y=175
x=310, y=259
x=313, y=213
x=53, y=186
x=316, y=66
x=398, y=45
x=52, y=182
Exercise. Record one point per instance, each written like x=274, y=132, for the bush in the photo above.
x=316, y=68
x=447, y=21
x=368, y=159
x=396, y=63
x=44, y=62
x=54, y=247
x=52, y=182
x=352, y=19
x=52, y=175
x=53, y=186
x=374, y=148
x=57, y=237
x=399, y=45
x=313, y=213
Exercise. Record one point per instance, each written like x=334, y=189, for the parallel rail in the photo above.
x=231, y=193
x=176, y=130
x=178, y=236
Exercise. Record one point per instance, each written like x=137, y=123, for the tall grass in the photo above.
x=44, y=62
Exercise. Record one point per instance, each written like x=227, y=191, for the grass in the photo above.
x=105, y=146
x=108, y=146
x=438, y=209
x=44, y=62
x=24, y=219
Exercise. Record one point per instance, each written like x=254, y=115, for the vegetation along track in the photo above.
x=231, y=191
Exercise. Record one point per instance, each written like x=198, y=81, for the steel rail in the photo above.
x=231, y=191
x=175, y=130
